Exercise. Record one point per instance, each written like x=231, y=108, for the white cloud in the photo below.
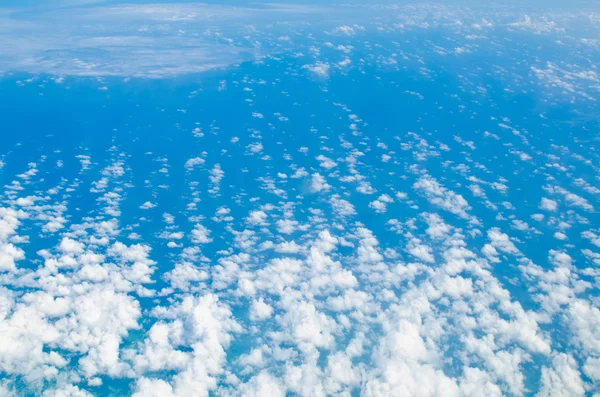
x=147, y=205
x=263, y=384
x=442, y=197
x=321, y=69
x=310, y=328
x=345, y=30
x=380, y=205
x=257, y=217
x=421, y=251
x=562, y=379
x=318, y=183
x=193, y=162
x=548, y=205
x=326, y=162
x=208, y=328
x=200, y=234
x=341, y=207
x=405, y=369
x=260, y=310
x=279, y=291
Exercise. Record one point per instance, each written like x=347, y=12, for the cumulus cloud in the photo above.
x=442, y=197
x=289, y=273
x=318, y=183
x=320, y=69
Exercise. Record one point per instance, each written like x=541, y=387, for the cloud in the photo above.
x=257, y=287
x=136, y=40
x=341, y=207
x=442, y=197
x=260, y=310
x=345, y=30
x=147, y=205
x=320, y=69
x=207, y=326
x=318, y=183
x=548, y=205
x=263, y=384
x=130, y=56
x=562, y=379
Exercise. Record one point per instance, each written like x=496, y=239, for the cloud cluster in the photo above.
x=302, y=242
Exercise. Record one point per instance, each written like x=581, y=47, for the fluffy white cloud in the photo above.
x=562, y=379
x=442, y=197
x=263, y=384
x=203, y=324
x=548, y=205
x=318, y=183
x=321, y=69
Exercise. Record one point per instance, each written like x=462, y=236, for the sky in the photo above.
x=315, y=199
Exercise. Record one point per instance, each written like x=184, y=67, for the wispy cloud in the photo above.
x=138, y=40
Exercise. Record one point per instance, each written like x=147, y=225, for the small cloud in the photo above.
x=147, y=205
x=321, y=69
